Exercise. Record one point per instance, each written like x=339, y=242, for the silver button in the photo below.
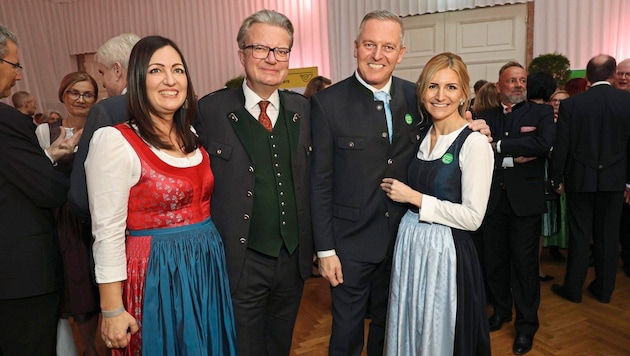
x=350, y=144
x=281, y=203
x=249, y=193
x=279, y=184
x=278, y=174
x=242, y=240
x=275, y=155
x=384, y=134
x=219, y=151
x=507, y=133
x=284, y=223
x=387, y=214
x=271, y=137
x=281, y=194
x=250, y=169
x=379, y=107
x=390, y=161
x=274, y=145
x=245, y=217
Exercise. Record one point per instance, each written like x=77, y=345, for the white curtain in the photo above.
x=53, y=31
x=581, y=29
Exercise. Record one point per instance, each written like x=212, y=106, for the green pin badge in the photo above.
x=408, y=119
x=447, y=158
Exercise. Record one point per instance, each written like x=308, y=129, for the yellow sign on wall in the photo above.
x=299, y=77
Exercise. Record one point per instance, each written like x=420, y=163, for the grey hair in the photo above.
x=5, y=36
x=117, y=49
x=382, y=15
x=509, y=65
x=268, y=17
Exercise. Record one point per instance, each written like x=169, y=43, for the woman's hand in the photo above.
x=116, y=331
x=401, y=192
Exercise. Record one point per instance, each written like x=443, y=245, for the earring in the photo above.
x=461, y=102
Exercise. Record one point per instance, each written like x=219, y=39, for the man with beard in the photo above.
x=524, y=133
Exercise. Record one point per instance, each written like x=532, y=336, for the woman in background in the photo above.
x=487, y=98
x=437, y=303
x=78, y=92
x=151, y=177
x=316, y=84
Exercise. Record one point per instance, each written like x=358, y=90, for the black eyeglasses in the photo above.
x=17, y=66
x=262, y=51
x=75, y=95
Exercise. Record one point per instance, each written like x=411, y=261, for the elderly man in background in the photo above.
x=25, y=103
x=112, y=58
x=622, y=82
x=31, y=274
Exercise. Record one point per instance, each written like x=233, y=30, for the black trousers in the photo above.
x=28, y=326
x=365, y=290
x=624, y=235
x=266, y=303
x=595, y=215
x=511, y=262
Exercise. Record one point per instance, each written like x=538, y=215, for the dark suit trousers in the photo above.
x=511, y=260
x=624, y=235
x=365, y=290
x=266, y=303
x=595, y=215
x=28, y=326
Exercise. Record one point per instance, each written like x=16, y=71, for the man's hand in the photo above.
x=330, y=268
x=63, y=146
x=478, y=125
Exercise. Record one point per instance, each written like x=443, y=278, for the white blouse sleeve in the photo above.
x=476, y=161
x=111, y=168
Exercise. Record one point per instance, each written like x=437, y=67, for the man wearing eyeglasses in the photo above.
x=30, y=262
x=622, y=75
x=259, y=141
x=622, y=82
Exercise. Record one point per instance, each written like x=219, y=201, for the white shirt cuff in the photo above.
x=326, y=253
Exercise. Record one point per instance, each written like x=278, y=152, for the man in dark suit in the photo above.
x=259, y=141
x=30, y=262
x=622, y=82
x=590, y=163
x=354, y=223
x=524, y=133
x=113, y=59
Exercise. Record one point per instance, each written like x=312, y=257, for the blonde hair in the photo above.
x=437, y=63
x=487, y=98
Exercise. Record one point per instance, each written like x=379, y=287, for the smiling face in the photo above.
x=264, y=76
x=167, y=82
x=512, y=85
x=80, y=106
x=378, y=49
x=443, y=95
x=8, y=75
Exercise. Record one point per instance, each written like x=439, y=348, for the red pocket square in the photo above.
x=528, y=128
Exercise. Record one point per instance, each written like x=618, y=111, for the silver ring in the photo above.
x=108, y=344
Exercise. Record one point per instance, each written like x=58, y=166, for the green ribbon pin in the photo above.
x=408, y=119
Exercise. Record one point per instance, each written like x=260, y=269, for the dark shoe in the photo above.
x=556, y=254
x=496, y=322
x=597, y=296
x=545, y=278
x=559, y=290
x=522, y=344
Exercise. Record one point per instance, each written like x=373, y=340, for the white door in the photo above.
x=486, y=39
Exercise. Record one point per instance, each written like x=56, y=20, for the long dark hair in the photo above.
x=140, y=109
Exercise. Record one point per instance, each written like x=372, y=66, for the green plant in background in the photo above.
x=555, y=64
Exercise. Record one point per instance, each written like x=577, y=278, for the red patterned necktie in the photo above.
x=263, y=118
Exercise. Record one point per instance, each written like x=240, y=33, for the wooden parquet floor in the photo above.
x=589, y=328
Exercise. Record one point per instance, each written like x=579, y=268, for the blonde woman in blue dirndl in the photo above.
x=437, y=303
